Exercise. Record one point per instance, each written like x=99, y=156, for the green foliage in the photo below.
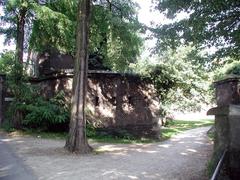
x=7, y=126
x=36, y=111
x=113, y=35
x=9, y=18
x=7, y=62
x=228, y=70
x=52, y=28
x=182, y=82
x=206, y=23
x=164, y=78
x=41, y=113
x=114, y=31
x=213, y=162
x=233, y=68
x=15, y=79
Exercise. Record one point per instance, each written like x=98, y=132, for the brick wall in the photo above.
x=115, y=102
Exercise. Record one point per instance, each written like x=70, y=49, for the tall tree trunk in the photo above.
x=77, y=140
x=17, y=119
x=20, y=34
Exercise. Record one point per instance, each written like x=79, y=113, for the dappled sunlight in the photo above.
x=132, y=177
x=181, y=142
x=146, y=151
x=188, y=152
x=106, y=112
x=4, y=171
x=62, y=173
x=19, y=142
x=109, y=148
x=179, y=137
x=151, y=175
x=111, y=172
x=192, y=150
x=114, y=161
x=198, y=142
x=126, y=149
x=7, y=140
x=164, y=145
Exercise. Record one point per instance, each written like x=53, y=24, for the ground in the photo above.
x=182, y=157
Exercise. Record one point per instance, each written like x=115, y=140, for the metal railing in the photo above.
x=219, y=166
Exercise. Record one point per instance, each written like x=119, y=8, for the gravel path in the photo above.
x=182, y=157
x=11, y=166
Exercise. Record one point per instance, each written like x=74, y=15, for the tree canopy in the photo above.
x=180, y=78
x=208, y=23
x=114, y=29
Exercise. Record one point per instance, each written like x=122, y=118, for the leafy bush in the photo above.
x=163, y=77
x=181, y=79
x=41, y=113
x=6, y=62
x=34, y=110
x=228, y=70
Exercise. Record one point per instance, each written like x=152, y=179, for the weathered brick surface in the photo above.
x=115, y=102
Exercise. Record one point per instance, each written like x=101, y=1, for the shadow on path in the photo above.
x=183, y=157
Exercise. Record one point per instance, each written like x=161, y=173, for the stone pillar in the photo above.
x=227, y=95
x=227, y=123
x=227, y=91
x=221, y=137
x=234, y=142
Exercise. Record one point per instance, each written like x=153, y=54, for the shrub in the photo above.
x=7, y=62
x=228, y=70
x=43, y=114
x=34, y=110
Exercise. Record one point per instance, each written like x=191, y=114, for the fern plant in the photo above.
x=44, y=113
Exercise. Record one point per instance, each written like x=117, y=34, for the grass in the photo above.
x=121, y=140
x=34, y=133
x=174, y=127
x=177, y=126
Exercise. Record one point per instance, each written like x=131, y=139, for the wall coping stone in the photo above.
x=230, y=110
x=90, y=74
x=227, y=79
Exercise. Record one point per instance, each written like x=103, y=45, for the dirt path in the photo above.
x=11, y=166
x=183, y=157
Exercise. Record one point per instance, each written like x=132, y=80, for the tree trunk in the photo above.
x=77, y=140
x=20, y=34
x=17, y=119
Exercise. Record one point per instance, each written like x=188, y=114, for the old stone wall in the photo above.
x=115, y=102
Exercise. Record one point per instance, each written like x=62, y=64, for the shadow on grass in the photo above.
x=174, y=127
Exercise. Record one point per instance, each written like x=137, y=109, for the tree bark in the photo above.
x=77, y=140
x=20, y=34
x=17, y=118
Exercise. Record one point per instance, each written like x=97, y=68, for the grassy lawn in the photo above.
x=178, y=126
x=173, y=127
